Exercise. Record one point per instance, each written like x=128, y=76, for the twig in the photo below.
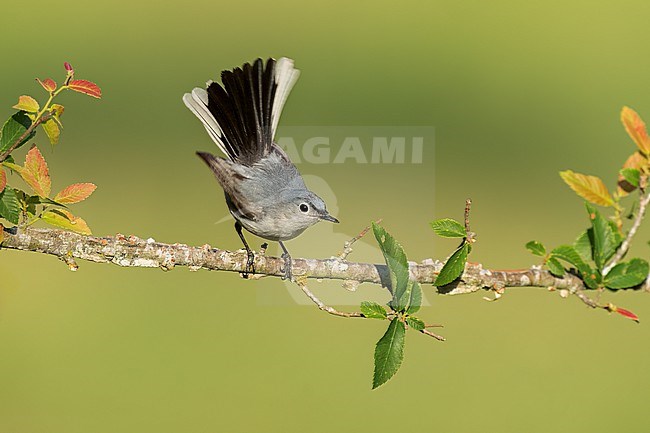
x=44, y=118
x=431, y=334
x=321, y=305
x=468, y=206
x=347, y=246
x=622, y=250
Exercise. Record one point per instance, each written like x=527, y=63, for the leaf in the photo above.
x=555, y=267
x=626, y=313
x=28, y=104
x=65, y=220
x=48, y=84
x=36, y=173
x=415, y=323
x=636, y=129
x=3, y=180
x=448, y=228
x=591, y=188
x=537, y=248
x=52, y=131
x=75, y=193
x=13, y=129
x=582, y=245
x=631, y=176
x=87, y=87
x=636, y=161
x=389, y=353
x=395, y=260
x=604, y=241
x=626, y=275
x=9, y=205
x=415, y=300
x=373, y=310
x=68, y=67
x=569, y=254
x=454, y=266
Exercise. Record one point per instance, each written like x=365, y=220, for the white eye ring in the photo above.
x=304, y=208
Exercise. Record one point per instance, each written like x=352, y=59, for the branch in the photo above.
x=136, y=252
x=643, y=205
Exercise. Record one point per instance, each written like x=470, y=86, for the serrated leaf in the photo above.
x=373, y=310
x=65, y=220
x=636, y=129
x=13, y=129
x=582, y=245
x=51, y=128
x=87, y=87
x=555, y=267
x=415, y=323
x=395, y=260
x=389, y=353
x=537, y=248
x=591, y=188
x=48, y=84
x=3, y=180
x=415, y=301
x=27, y=103
x=35, y=173
x=569, y=254
x=9, y=205
x=454, y=266
x=631, y=176
x=75, y=193
x=628, y=274
x=448, y=228
x=604, y=241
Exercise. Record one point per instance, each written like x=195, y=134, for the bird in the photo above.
x=264, y=192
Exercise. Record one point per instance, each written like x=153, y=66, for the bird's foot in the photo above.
x=250, y=264
x=287, y=267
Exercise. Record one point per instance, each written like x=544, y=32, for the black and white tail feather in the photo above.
x=242, y=116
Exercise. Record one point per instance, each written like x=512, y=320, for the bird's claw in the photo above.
x=250, y=264
x=287, y=267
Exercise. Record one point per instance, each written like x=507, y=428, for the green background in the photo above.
x=516, y=92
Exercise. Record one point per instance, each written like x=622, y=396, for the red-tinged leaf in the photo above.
x=27, y=103
x=36, y=173
x=64, y=219
x=87, y=87
x=3, y=180
x=68, y=67
x=591, y=188
x=622, y=312
x=636, y=129
x=637, y=161
x=48, y=84
x=75, y=193
x=51, y=128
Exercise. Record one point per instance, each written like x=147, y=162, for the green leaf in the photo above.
x=389, y=353
x=537, y=248
x=555, y=267
x=9, y=205
x=415, y=323
x=415, y=300
x=396, y=262
x=582, y=246
x=448, y=228
x=454, y=267
x=569, y=254
x=618, y=236
x=604, y=241
x=373, y=310
x=626, y=275
x=13, y=129
x=632, y=176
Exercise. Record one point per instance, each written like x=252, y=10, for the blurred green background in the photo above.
x=516, y=92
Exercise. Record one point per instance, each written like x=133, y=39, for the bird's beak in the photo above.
x=330, y=218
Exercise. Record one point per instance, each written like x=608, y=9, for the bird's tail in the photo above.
x=242, y=115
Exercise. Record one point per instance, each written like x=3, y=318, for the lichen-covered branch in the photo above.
x=136, y=252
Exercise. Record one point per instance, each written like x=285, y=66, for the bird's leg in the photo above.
x=287, y=263
x=250, y=263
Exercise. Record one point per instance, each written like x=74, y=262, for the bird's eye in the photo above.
x=304, y=208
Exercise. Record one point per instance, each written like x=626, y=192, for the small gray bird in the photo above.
x=264, y=191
